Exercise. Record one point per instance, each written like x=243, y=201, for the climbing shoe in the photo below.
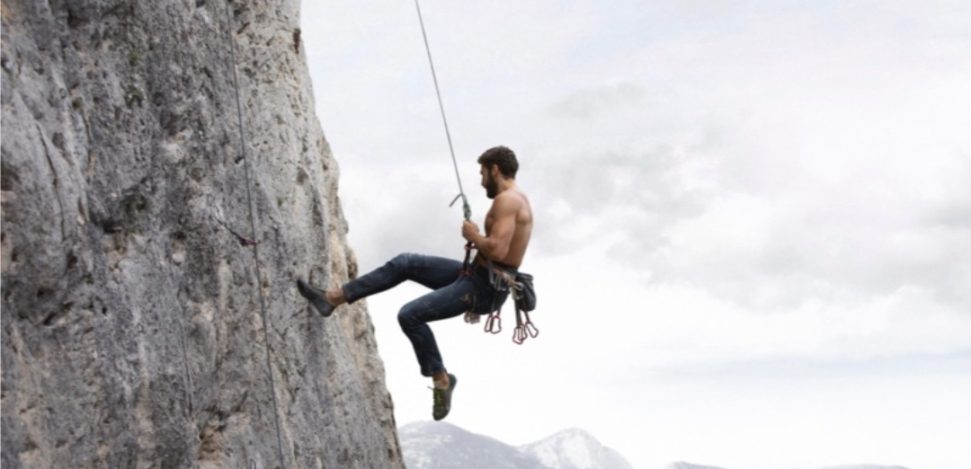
x=316, y=297
x=443, y=398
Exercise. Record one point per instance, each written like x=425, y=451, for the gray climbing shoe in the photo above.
x=316, y=297
x=443, y=398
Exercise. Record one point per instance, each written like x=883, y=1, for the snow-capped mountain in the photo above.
x=439, y=445
x=429, y=445
x=688, y=465
x=865, y=466
x=575, y=449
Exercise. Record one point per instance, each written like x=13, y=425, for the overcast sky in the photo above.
x=753, y=219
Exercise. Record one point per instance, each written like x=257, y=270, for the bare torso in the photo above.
x=523, y=226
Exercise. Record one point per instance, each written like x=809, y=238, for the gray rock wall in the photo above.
x=132, y=333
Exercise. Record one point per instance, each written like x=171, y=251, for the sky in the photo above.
x=752, y=241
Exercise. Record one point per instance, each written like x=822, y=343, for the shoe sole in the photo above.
x=315, y=297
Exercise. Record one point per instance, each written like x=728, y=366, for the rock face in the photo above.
x=136, y=330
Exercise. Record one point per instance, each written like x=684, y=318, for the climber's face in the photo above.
x=489, y=174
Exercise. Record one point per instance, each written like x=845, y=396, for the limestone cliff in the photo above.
x=136, y=330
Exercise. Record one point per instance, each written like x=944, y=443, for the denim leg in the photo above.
x=430, y=271
x=414, y=317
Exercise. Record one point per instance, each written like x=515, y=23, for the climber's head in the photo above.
x=498, y=165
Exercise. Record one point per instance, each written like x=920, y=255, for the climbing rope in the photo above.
x=466, y=210
x=255, y=244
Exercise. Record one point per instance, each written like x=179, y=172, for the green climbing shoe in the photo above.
x=443, y=398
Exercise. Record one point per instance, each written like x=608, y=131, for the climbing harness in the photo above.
x=466, y=210
x=249, y=242
x=520, y=286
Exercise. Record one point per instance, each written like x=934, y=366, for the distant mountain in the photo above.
x=429, y=445
x=575, y=449
x=440, y=445
x=688, y=465
x=864, y=466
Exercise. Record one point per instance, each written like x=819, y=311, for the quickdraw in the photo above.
x=493, y=324
x=524, y=329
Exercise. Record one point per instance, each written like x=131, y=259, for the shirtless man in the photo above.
x=508, y=227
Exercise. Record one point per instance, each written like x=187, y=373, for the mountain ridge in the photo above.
x=440, y=445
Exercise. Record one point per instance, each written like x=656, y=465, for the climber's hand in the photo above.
x=470, y=231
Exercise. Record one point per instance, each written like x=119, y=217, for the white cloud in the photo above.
x=609, y=99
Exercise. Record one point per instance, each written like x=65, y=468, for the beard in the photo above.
x=492, y=189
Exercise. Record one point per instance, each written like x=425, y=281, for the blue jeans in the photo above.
x=453, y=295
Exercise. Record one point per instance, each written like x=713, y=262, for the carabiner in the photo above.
x=493, y=324
x=531, y=329
x=519, y=335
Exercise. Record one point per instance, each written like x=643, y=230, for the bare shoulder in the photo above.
x=526, y=211
x=515, y=201
x=524, y=198
x=509, y=201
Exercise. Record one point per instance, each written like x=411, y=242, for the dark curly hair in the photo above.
x=502, y=157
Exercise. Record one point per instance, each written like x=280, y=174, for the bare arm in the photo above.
x=495, y=245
